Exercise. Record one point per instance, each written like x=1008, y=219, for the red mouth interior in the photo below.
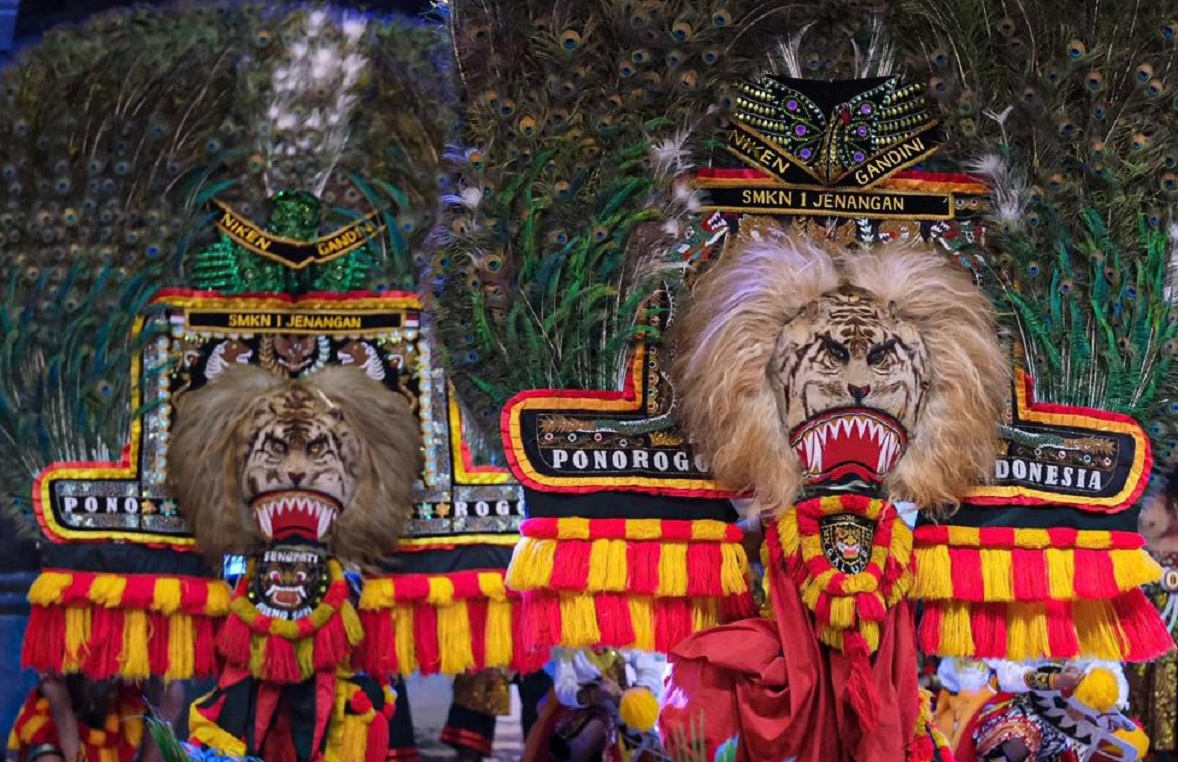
x=849, y=443
x=288, y=598
x=295, y=513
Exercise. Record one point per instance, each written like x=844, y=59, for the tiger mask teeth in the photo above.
x=849, y=443
x=292, y=513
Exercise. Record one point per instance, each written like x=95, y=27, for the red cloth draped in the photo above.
x=773, y=685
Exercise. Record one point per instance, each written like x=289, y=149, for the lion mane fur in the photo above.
x=211, y=436
x=724, y=342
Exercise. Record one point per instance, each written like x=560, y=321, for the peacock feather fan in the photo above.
x=116, y=137
x=1069, y=110
x=580, y=121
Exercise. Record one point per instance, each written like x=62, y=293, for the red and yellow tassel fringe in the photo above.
x=130, y=626
x=627, y=583
x=844, y=603
x=117, y=740
x=291, y=651
x=1001, y=592
x=447, y=623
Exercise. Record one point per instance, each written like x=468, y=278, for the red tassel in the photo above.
x=642, y=567
x=988, y=623
x=928, y=633
x=736, y=607
x=966, y=571
x=570, y=565
x=613, y=617
x=233, y=642
x=1094, y=575
x=331, y=644
x=1147, y=635
x=870, y=607
x=157, y=643
x=860, y=687
x=672, y=622
x=822, y=609
x=281, y=666
x=1029, y=568
x=44, y=645
x=194, y=595
x=1061, y=631
x=476, y=613
x=371, y=655
x=204, y=646
x=106, y=643
x=704, y=560
x=425, y=633
x=139, y=592
x=378, y=740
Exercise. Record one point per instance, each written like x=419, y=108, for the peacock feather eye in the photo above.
x=263, y=38
x=681, y=31
x=1144, y=73
x=1169, y=29
x=1169, y=182
x=625, y=69
x=570, y=40
x=710, y=56
x=968, y=127
x=1077, y=50
x=1140, y=141
x=1099, y=112
x=1155, y=87
x=721, y=17
x=1094, y=81
x=940, y=58
x=1005, y=26
x=937, y=87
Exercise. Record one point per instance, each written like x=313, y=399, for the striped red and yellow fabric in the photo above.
x=626, y=583
x=443, y=623
x=1004, y=592
x=130, y=626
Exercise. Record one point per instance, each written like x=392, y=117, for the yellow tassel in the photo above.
x=48, y=588
x=598, y=577
x=572, y=528
x=1032, y=539
x=531, y=564
x=454, y=638
x=811, y=546
x=935, y=581
x=499, y=634
x=1061, y=573
x=901, y=548
x=133, y=661
x=870, y=632
x=734, y=569
x=1026, y=632
x=787, y=532
x=1097, y=630
x=289, y=629
x=378, y=595
x=132, y=729
x=673, y=570
x=644, y=529
x=217, y=602
x=618, y=569
x=997, y=575
x=705, y=614
x=811, y=590
x=708, y=531
x=352, y=625
x=1093, y=539
x=967, y=537
x=107, y=590
x=1098, y=690
x=842, y=612
x=77, y=638
x=642, y=616
x=406, y=652
x=305, y=655
x=491, y=586
x=1134, y=568
x=167, y=595
x=180, y=648
x=639, y=709
x=257, y=655
x=441, y=591
x=578, y=620
x=956, y=630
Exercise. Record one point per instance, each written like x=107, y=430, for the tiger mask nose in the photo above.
x=296, y=477
x=858, y=393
